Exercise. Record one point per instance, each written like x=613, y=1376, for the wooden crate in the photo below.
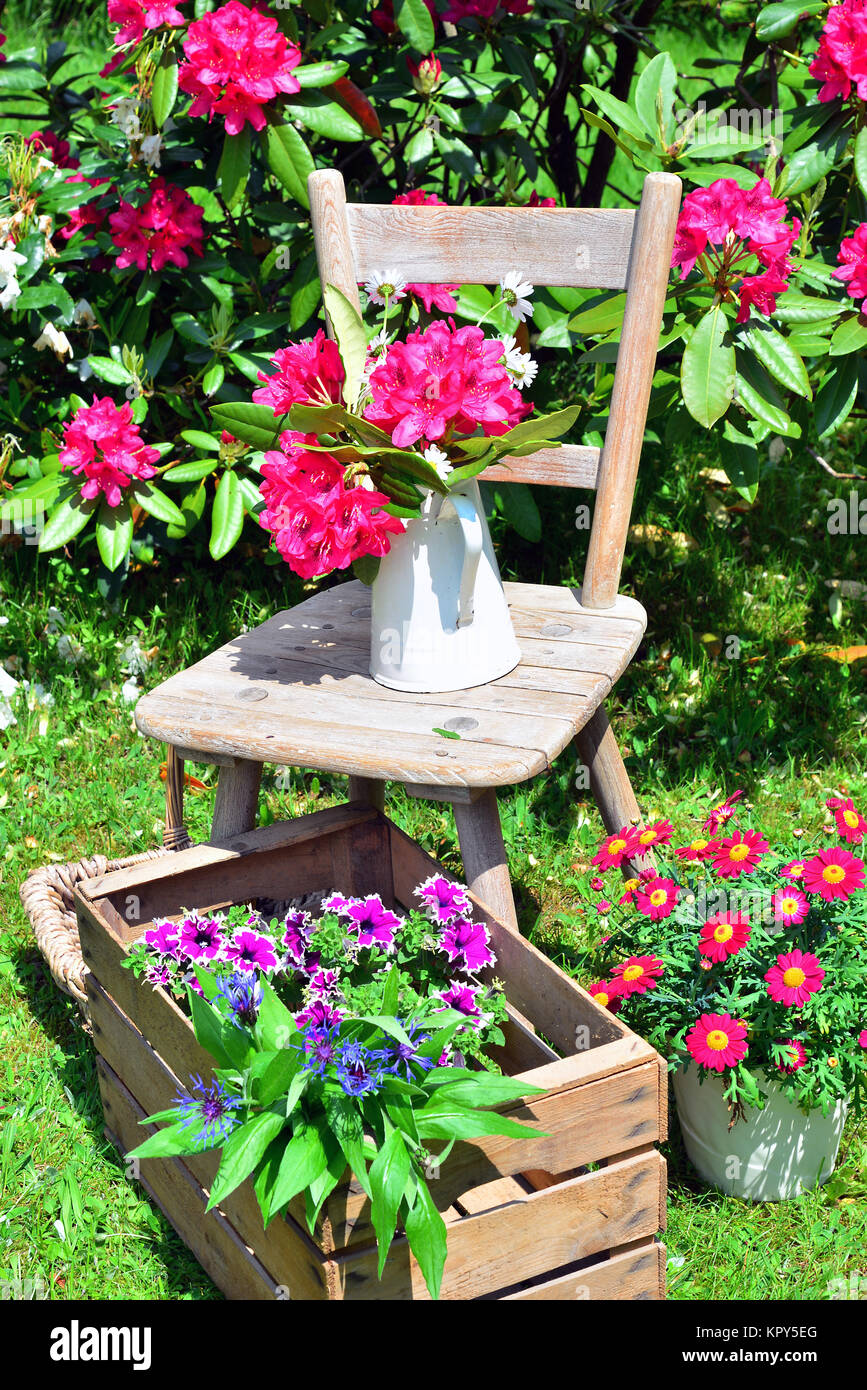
x=572, y=1215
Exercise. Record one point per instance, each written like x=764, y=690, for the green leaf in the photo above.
x=849, y=336
x=192, y=509
x=413, y=19
x=191, y=472
x=655, y=88
x=208, y=1028
x=757, y=393
x=66, y=521
x=214, y=378
x=278, y=1076
x=775, y=21
x=319, y=74
x=304, y=1160
x=289, y=159
x=234, y=167
x=366, y=568
x=482, y=1088
x=426, y=1233
x=320, y=1187
x=778, y=356
x=251, y=423
x=740, y=459
x=794, y=307
x=812, y=162
x=165, y=88
x=623, y=116
x=156, y=503
x=172, y=1139
x=326, y=117
x=599, y=317
x=242, y=1151
x=540, y=429
x=861, y=159
x=227, y=516
x=275, y=1024
x=108, y=370
x=708, y=370
x=351, y=339
x=521, y=511
x=345, y=1122
x=836, y=397
x=113, y=533
x=388, y=1178
x=444, y=1118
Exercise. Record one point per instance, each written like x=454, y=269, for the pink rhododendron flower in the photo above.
x=443, y=378
x=237, y=60
x=88, y=218
x=134, y=17
x=729, y=225
x=102, y=441
x=853, y=263
x=485, y=9
x=45, y=141
x=383, y=16
x=841, y=61
x=426, y=73
x=536, y=202
x=307, y=373
x=161, y=231
x=319, y=524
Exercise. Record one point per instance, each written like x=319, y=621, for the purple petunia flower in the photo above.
x=213, y=1108
x=158, y=974
x=249, y=951
x=443, y=901
x=372, y=922
x=338, y=904
x=162, y=938
x=359, y=1069
x=466, y=945
x=296, y=936
x=244, y=996
x=321, y=1013
x=323, y=984
x=200, y=938
x=462, y=998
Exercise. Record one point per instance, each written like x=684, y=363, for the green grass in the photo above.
x=787, y=723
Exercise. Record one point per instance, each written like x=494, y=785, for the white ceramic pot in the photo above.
x=771, y=1154
x=439, y=616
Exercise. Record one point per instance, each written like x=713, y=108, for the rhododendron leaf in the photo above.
x=108, y=370
x=812, y=162
x=227, y=516
x=319, y=74
x=351, y=336
x=190, y=472
x=540, y=431
x=200, y=440
x=623, y=116
x=253, y=424
x=165, y=88
x=756, y=392
x=658, y=81
x=214, y=378
x=113, y=533
x=860, y=159
x=324, y=116
x=234, y=167
x=775, y=21
x=723, y=141
x=849, y=336
x=520, y=510
x=290, y=160
x=388, y=1178
x=836, y=397
x=778, y=356
x=740, y=459
x=413, y=18
x=66, y=521
x=252, y=497
x=156, y=503
x=805, y=308
x=192, y=509
x=708, y=369
x=599, y=123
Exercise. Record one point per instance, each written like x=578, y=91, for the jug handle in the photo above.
x=471, y=527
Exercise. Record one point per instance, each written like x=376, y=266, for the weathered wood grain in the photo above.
x=632, y=1274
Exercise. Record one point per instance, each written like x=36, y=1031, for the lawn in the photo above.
x=777, y=712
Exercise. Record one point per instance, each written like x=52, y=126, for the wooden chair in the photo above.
x=297, y=691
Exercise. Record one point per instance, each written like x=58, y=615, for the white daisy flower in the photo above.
x=509, y=343
x=522, y=368
x=513, y=291
x=385, y=284
x=439, y=460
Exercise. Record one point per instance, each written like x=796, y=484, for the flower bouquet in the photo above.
x=744, y=960
x=354, y=1037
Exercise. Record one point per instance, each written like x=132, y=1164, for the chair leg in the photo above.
x=609, y=781
x=484, y=854
x=237, y=804
x=368, y=789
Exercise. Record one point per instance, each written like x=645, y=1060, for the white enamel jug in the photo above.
x=440, y=620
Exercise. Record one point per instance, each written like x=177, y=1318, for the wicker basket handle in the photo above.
x=175, y=833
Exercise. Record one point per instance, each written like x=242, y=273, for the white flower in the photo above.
x=514, y=288
x=125, y=115
x=129, y=692
x=385, y=284
x=69, y=650
x=83, y=315
x=150, y=150
x=509, y=343
x=42, y=163
x=9, y=286
x=522, y=368
x=439, y=460
x=53, y=338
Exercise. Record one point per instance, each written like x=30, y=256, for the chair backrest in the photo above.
x=600, y=248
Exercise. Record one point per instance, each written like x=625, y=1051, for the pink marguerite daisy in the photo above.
x=657, y=898
x=638, y=974
x=615, y=848
x=740, y=854
x=798, y=1056
x=851, y=825
x=723, y=935
x=790, y=906
x=607, y=993
x=658, y=834
x=834, y=873
x=794, y=868
x=795, y=977
x=717, y=1041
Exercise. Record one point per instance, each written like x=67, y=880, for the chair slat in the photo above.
x=581, y=247
x=572, y=465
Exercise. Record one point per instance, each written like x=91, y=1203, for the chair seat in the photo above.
x=297, y=691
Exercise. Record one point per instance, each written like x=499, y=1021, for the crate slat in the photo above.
x=633, y=1274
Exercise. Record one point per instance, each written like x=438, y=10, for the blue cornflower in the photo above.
x=244, y=995
x=399, y=1054
x=320, y=1044
x=359, y=1069
x=213, y=1108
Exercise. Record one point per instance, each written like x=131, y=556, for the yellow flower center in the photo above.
x=658, y=897
x=616, y=846
x=832, y=1061
x=717, y=1040
x=699, y=844
x=794, y=977
x=724, y=932
x=647, y=837
x=789, y=906
x=601, y=998
x=797, y=869
x=633, y=972
x=851, y=819
x=630, y=885
x=738, y=852
x=833, y=873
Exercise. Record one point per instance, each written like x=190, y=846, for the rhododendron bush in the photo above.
x=744, y=958
x=157, y=263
